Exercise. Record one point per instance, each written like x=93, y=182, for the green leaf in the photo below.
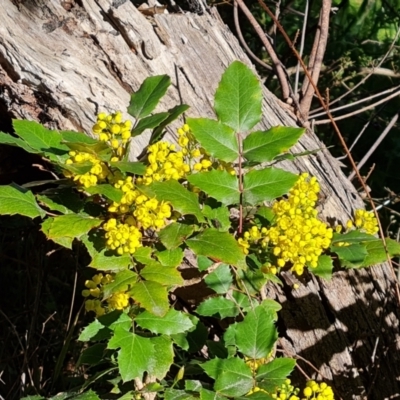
x=265, y=146
x=243, y=301
x=209, y=395
x=121, y=283
x=69, y=226
x=218, y=306
x=96, y=148
x=353, y=237
x=145, y=100
x=273, y=374
x=192, y=385
x=143, y=255
x=220, y=217
x=16, y=200
x=351, y=256
x=149, y=122
x=324, y=267
x=174, y=394
x=251, y=281
x=6, y=138
x=39, y=138
x=90, y=330
x=220, y=280
x=170, y=258
x=172, y=322
x=181, y=199
x=133, y=356
x=89, y=395
x=267, y=184
x=204, y=263
x=92, y=355
x=238, y=98
x=376, y=251
x=219, y=246
x=162, y=274
x=174, y=234
x=136, y=168
x=174, y=113
x=107, y=190
x=232, y=376
x=77, y=137
x=220, y=185
x=256, y=334
x=218, y=140
x=65, y=201
x=272, y=307
x=265, y=215
x=162, y=358
x=152, y=296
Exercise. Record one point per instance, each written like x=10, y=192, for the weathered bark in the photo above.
x=61, y=62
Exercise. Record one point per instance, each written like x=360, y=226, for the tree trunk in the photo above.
x=63, y=61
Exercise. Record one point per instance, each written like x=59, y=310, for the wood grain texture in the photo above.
x=61, y=62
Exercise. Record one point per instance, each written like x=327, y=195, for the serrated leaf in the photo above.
x=273, y=374
x=145, y=100
x=116, y=319
x=174, y=394
x=192, y=385
x=96, y=148
x=218, y=139
x=136, y=168
x=89, y=395
x=220, y=280
x=143, y=255
x=263, y=146
x=170, y=258
x=376, y=251
x=267, y=184
x=174, y=234
x=251, y=281
x=218, y=306
x=69, y=226
x=220, y=185
x=351, y=256
x=272, y=307
x=171, y=323
x=256, y=334
x=243, y=301
x=78, y=137
x=39, y=138
x=168, y=276
x=219, y=246
x=152, y=296
x=16, y=200
x=162, y=358
x=65, y=201
x=149, y=122
x=232, y=376
x=238, y=98
x=133, y=356
x=353, y=237
x=6, y=138
x=181, y=199
x=220, y=217
x=106, y=190
x=204, y=263
x=90, y=331
x=209, y=395
x=121, y=283
x=266, y=214
x=92, y=355
x=174, y=113
x=324, y=267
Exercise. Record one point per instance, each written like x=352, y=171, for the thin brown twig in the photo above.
x=343, y=143
x=277, y=64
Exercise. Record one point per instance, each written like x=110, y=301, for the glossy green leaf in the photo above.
x=143, y=255
x=65, y=201
x=78, y=168
x=324, y=267
x=149, y=122
x=94, y=148
x=263, y=146
x=220, y=217
x=238, y=98
x=78, y=137
x=172, y=322
x=219, y=246
x=92, y=355
x=204, y=263
x=256, y=335
x=152, y=296
x=272, y=307
x=145, y=100
x=218, y=306
x=162, y=358
x=106, y=190
x=376, y=251
x=243, y=301
x=133, y=356
x=209, y=395
x=251, y=281
x=174, y=234
x=220, y=280
x=232, y=376
x=168, y=276
x=218, y=139
x=351, y=256
x=352, y=237
x=220, y=185
x=192, y=385
x=174, y=394
x=170, y=258
x=89, y=395
x=273, y=374
x=181, y=199
x=267, y=184
x=16, y=200
x=136, y=168
x=123, y=280
x=6, y=138
x=90, y=330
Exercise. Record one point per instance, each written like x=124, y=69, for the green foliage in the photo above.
x=141, y=222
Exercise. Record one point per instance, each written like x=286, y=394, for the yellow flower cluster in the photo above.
x=365, y=221
x=97, y=172
x=318, y=391
x=117, y=301
x=122, y=237
x=110, y=128
x=284, y=392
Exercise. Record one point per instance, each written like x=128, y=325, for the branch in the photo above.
x=303, y=36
